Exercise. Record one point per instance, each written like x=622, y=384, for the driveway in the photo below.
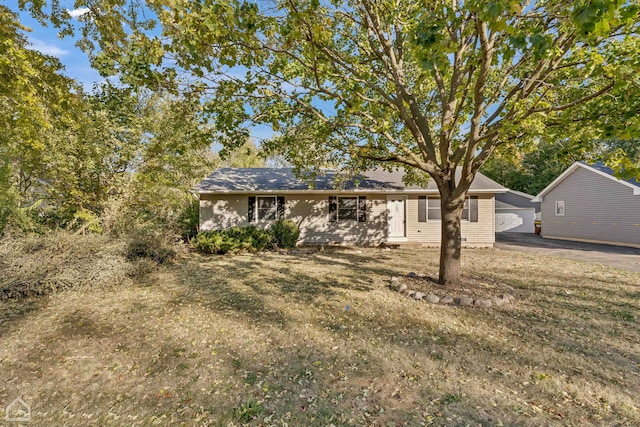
x=614, y=256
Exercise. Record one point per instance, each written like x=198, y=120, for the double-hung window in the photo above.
x=265, y=208
x=347, y=208
x=429, y=209
x=559, y=207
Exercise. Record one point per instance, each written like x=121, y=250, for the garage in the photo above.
x=515, y=220
x=515, y=212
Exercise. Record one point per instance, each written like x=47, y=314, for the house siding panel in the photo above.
x=596, y=209
x=310, y=212
x=220, y=212
x=480, y=233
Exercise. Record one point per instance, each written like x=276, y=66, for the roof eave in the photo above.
x=573, y=168
x=404, y=191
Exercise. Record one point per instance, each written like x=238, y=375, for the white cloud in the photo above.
x=46, y=48
x=76, y=13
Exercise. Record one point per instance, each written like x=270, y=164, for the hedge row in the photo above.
x=281, y=234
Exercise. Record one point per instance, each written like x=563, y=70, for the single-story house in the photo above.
x=588, y=203
x=516, y=212
x=374, y=208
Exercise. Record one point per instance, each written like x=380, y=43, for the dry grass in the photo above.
x=61, y=261
x=268, y=340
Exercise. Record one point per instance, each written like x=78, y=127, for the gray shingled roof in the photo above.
x=254, y=180
x=603, y=168
x=513, y=199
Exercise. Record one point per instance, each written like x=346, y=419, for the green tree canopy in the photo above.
x=431, y=85
x=36, y=100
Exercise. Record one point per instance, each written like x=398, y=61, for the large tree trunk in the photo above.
x=450, y=240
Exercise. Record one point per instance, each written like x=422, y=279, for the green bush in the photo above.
x=251, y=237
x=214, y=242
x=236, y=239
x=285, y=233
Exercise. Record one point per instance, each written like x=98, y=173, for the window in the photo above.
x=560, y=208
x=265, y=208
x=347, y=208
x=429, y=209
x=433, y=209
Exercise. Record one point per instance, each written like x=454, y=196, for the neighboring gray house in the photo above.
x=377, y=207
x=587, y=203
x=516, y=212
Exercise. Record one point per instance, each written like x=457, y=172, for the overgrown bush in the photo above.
x=285, y=233
x=233, y=240
x=59, y=261
x=148, y=247
x=189, y=219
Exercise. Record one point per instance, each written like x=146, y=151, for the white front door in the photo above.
x=395, y=211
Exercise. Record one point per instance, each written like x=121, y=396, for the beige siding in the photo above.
x=220, y=212
x=480, y=233
x=311, y=212
x=596, y=209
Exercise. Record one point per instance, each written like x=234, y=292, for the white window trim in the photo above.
x=256, y=212
x=466, y=202
x=560, y=208
x=338, y=219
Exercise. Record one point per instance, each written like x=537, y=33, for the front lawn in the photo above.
x=316, y=338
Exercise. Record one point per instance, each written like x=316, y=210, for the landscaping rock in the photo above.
x=418, y=295
x=447, y=299
x=497, y=301
x=482, y=303
x=509, y=297
x=432, y=298
x=401, y=288
x=412, y=275
x=393, y=279
x=464, y=301
x=408, y=292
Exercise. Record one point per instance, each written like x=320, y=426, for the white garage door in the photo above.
x=515, y=220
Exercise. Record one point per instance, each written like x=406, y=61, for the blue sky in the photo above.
x=46, y=40
x=76, y=62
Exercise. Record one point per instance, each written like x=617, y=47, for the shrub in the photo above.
x=236, y=239
x=59, y=261
x=147, y=247
x=188, y=220
x=214, y=242
x=285, y=233
x=251, y=237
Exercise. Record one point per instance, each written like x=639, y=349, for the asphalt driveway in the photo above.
x=614, y=256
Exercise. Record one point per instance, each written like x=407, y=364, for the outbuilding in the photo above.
x=588, y=203
x=516, y=212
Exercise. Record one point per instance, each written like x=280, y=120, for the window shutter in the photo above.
x=422, y=208
x=473, y=209
x=333, y=209
x=362, y=209
x=252, y=209
x=280, y=203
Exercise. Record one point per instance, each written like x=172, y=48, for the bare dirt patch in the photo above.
x=317, y=339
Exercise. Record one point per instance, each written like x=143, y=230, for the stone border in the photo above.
x=505, y=298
